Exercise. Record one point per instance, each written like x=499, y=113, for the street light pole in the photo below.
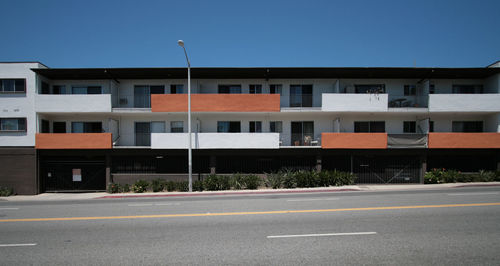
x=190, y=155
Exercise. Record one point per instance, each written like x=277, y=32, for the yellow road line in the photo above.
x=246, y=213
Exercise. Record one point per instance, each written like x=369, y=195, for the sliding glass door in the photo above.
x=302, y=133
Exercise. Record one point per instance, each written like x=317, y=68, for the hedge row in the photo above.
x=6, y=191
x=437, y=176
x=280, y=179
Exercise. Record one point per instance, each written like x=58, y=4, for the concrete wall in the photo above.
x=19, y=105
x=215, y=140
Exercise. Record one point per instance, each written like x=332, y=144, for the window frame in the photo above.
x=177, y=128
x=410, y=90
x=370, y=125
x=255, y=126
x=409, y=127
x=255, y=89
x=25, y=129
x=275, y=126
x=15, y=91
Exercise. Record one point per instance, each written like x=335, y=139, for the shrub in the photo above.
x=157, y=185
x=305, y=178
x=125, y=188
x=237, y=181
x=497, y=176
x=288, y=176
x=274, y=180
x=170, y=186
x=223, y=183
x=324, y=178
x=434, y=176
x=140, y=186
x=6, y=191
x=344, y=178
x=486, y=176
x=211, y=182
x=198, y=185
x=183, y=186
x=252, y=181
x=113, y=188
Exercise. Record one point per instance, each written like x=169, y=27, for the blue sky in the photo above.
x=251, y=33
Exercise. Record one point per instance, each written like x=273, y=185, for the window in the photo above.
x=255, y=126
x=143, y=132
x=59, y=127
x=45, y=126
x=45, y=88
x=230, y=89
x=275, y=89
x=410, y=90
x=86, y=127
x=86, y=90
x=409, y=127
x=301, y=95
x=369, y=126
x=12, y=86
x=302, y=133
x=255, y=89
x=176, y=89
x=12, y=124
x=467, y=126
x=467, y=89
x=374, y=88
x=431, y=126
x=276, y=126
x=177, y=126
x=142, y=94
x=432, y=89
x=228, y=126
x=59, y=89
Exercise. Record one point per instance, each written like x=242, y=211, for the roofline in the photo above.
x=24, y=62
x=494, y=63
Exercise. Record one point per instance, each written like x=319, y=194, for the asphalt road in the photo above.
x=459, y=226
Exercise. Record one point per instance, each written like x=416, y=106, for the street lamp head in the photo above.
x=180, y=43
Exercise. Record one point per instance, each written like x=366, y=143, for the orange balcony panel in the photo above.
x=216, y=102
x=73, y=141
x=354, y=140
x=464, y=140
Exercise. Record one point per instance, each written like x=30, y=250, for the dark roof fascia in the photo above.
x=267, y=73
x=25, y=62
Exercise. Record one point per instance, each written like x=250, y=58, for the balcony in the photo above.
x=73, y=103
x=215, y=140
x=464, y=140
x=464, y=102
x=216, y=102
x=73, y=141
x=354, y=102
x=354, y=140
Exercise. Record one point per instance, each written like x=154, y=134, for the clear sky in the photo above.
x=307, y=33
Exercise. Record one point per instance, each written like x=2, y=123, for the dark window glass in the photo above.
x=255, y=89
x=468, y=89
x=59, y=127
x=176, y=88
x=142, y=97
x=467, y=126
x=255, y=126
x=302, y=132
x=301, y=95
x=20, y=85
x=229, y=126
x=409, y=126
x=276, y=126
x=275, y=89
x=59, y=89
x=86, y=127
x=410, y=90
x=12, y=124
x=45, y=126
x=236, y=89
x=369, y=126
x=177, y=126
x=431, y=126
x=142, y=133
x=432, y=89
x=94, y=90
x=157, y=89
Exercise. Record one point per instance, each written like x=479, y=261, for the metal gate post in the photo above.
x=108, y=170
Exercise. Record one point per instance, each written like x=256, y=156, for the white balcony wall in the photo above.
x=215, y=140
x=464, y=103
x=70, y=103
x=352, y=102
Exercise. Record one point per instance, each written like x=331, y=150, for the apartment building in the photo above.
x=79, y=129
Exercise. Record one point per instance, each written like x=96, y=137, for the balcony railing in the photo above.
x=464, y=102
x=464, y=140
x=215, y=140
x=73, y=103
x=73, y=141
x=216, y=102
x=354, y=140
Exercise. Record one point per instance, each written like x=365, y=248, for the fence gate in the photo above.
x=386, y=169
x=59, y=176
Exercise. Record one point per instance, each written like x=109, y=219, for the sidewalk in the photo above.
x=104, y=195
